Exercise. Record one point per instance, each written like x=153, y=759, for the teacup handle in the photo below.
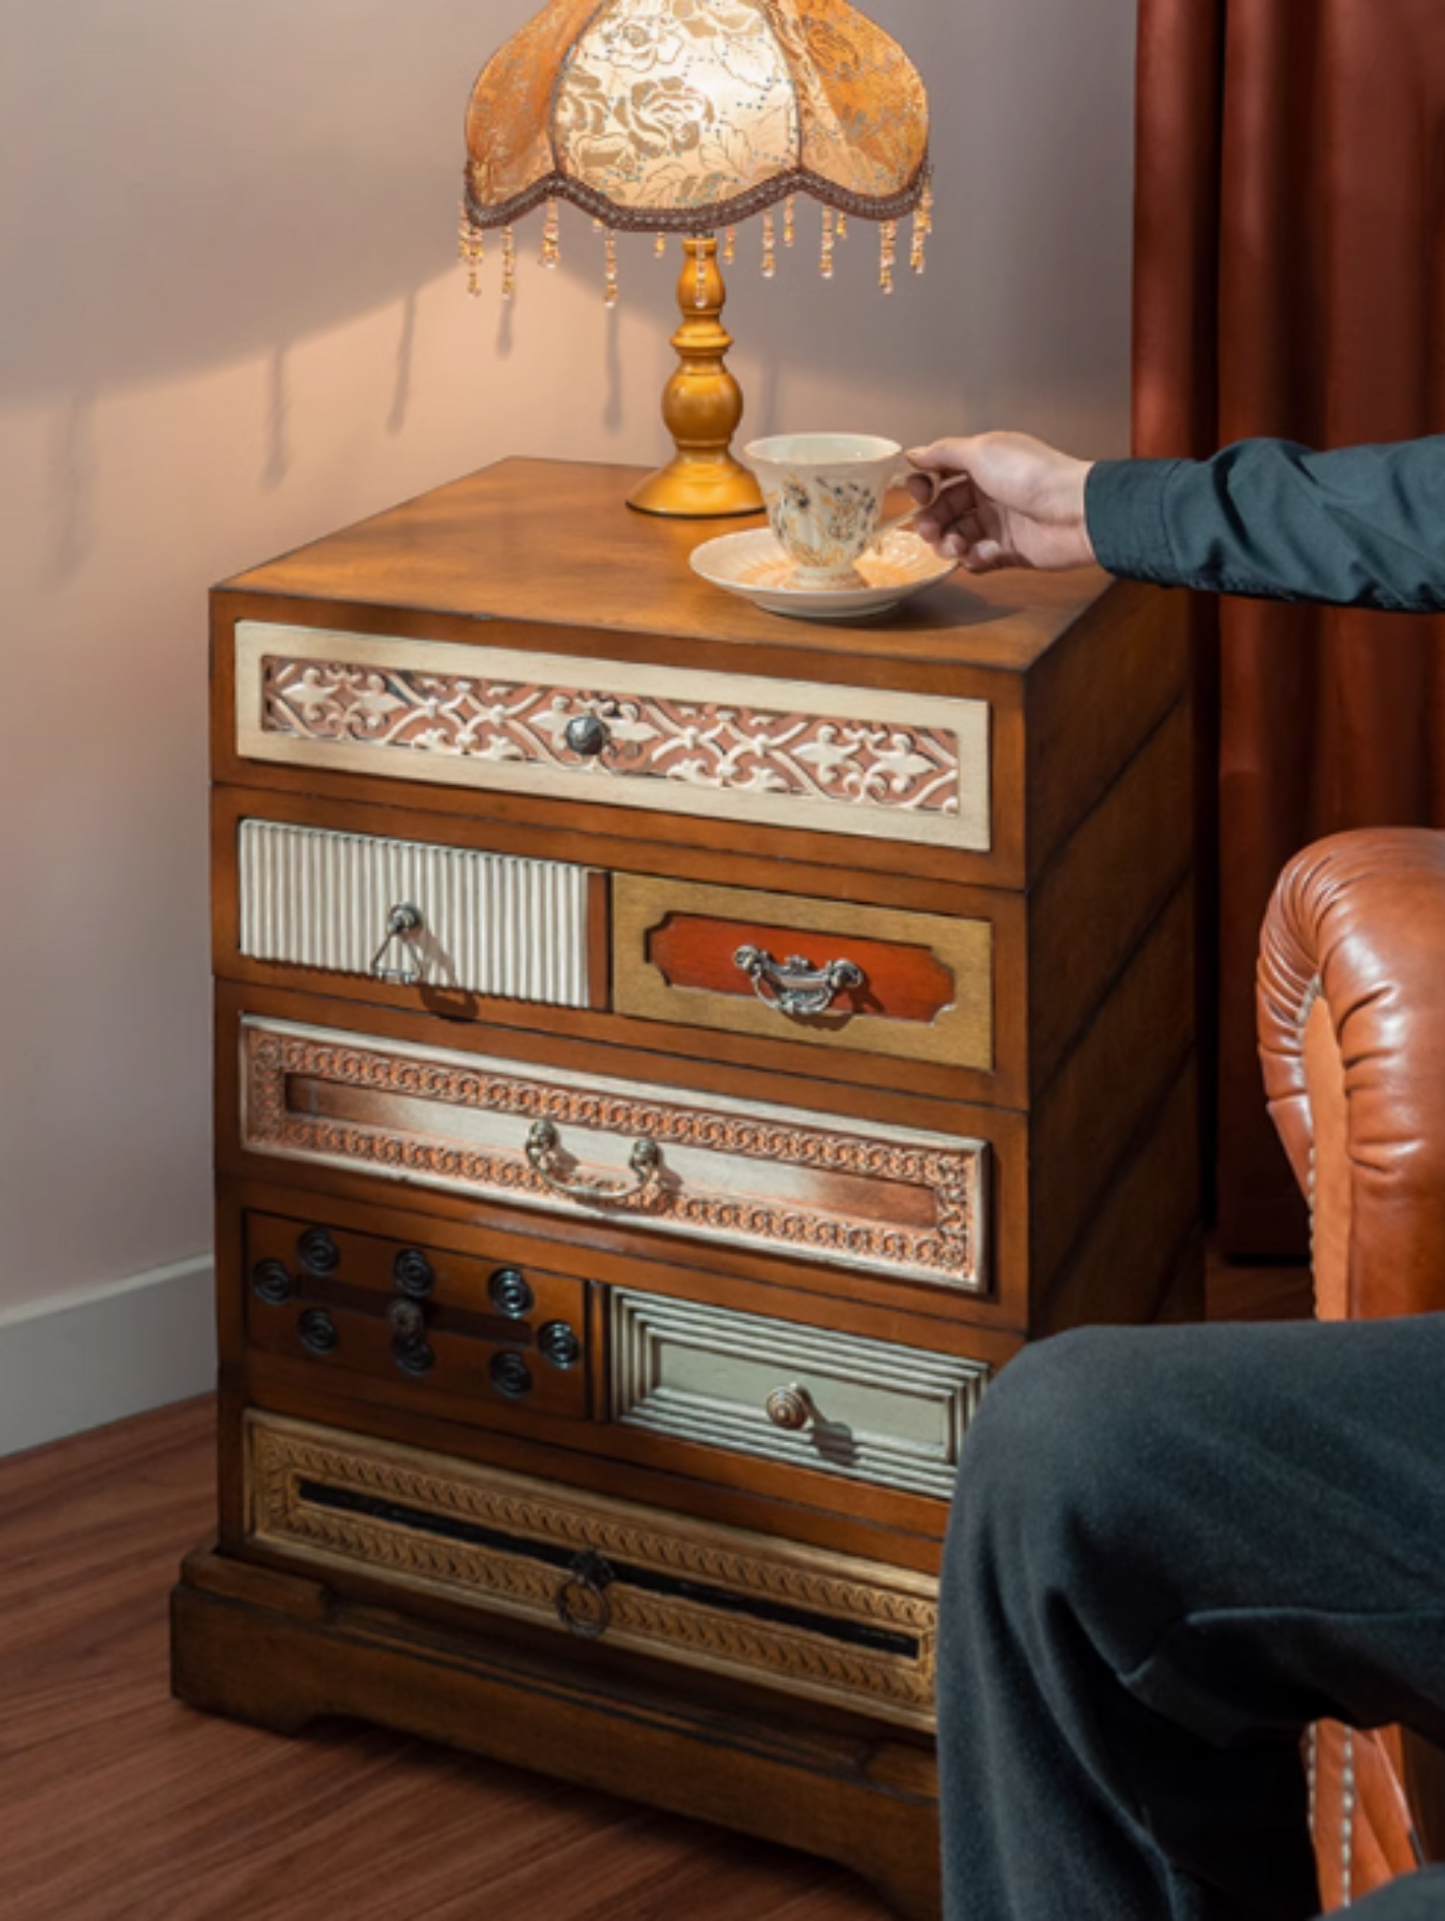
x=936, y=482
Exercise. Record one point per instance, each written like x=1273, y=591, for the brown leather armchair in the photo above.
x=1351, y=1005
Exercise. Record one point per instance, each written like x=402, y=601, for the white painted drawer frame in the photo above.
x=843, y=760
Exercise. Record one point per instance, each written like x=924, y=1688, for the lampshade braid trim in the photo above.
x=699, y=219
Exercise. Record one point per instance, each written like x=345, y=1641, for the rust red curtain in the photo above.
x=1290, y=280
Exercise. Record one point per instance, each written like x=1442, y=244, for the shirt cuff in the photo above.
x=1124, y=513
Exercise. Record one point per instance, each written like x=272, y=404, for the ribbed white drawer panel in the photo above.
x=870, y=1410
x=491, y=924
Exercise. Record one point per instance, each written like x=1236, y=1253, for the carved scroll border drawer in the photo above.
x=489, y=924
x=890, y=1199
x=844, y=760
x=829, y=1626
x=960, y=1033
x=842, y=1404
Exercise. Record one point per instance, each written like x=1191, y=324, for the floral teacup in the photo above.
x=824, y=494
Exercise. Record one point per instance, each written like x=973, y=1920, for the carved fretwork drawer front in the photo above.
x=355, y=1304
x=843, y=760
x=891, y=1200
x=854, y=1633
x=918, y=986
x=413, y=913
x=868, y=1410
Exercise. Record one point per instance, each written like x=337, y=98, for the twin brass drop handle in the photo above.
x=544, y=1145
x=795, y=986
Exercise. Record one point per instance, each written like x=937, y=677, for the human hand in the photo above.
x=1025, y=507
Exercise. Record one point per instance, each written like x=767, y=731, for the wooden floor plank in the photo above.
x=119, y=1802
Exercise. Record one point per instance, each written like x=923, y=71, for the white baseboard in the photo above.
x=82, y=1359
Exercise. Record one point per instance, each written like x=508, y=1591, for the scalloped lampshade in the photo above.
x=687, y=117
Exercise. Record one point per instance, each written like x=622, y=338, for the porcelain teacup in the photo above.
x=824, y=494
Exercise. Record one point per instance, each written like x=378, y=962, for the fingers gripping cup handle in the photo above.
x=938, y=488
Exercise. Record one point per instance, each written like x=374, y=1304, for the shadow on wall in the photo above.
x=184, y=187
x=190, y=185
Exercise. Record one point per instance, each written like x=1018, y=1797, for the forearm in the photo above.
x=1364, y=526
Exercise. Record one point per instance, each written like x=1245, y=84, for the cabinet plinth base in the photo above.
x=282, y=1651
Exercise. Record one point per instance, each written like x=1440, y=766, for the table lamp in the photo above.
x=688, y=117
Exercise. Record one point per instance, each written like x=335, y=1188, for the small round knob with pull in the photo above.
x=791, y=1407
x=318, y=1251
x=406, y=1319
x=272, y=1281
x=510, y=1375
x=587, y=735
x=318, y=1331
x=510, y=1294
x=557, y=1343
x=413, y=1273
x=403, y=924
x=583, y=1605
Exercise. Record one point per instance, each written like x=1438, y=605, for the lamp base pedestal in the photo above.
x=701, y=405
x=699, y=487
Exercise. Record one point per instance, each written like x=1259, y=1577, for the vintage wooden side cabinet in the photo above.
x=668, y=1058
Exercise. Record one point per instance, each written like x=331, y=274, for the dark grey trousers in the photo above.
x=1171, y=1549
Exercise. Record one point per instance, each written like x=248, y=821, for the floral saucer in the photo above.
x=754, y=565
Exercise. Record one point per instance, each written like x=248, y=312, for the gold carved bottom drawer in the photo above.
x=831, y=1627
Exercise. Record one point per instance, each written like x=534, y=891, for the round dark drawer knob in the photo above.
x=585, y=734
x=510, y=1293
x=413, y=1273
x=406, y=1320
x=272, y=1281
x=318, y=1331
x=511, y=1375
x=558, y=1344
x=318, y=1251
x=414, y=1357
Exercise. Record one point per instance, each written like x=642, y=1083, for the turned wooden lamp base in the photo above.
x=702, y=406
x=280, y=1650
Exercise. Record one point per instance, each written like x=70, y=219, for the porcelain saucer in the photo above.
x=754, y=565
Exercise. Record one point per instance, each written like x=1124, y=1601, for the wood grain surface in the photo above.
x=120, y=1802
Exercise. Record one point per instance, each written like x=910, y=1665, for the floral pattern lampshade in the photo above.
x=686, y=116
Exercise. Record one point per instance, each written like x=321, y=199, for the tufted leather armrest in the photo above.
x=1351, y=1006
x=1352, y=1038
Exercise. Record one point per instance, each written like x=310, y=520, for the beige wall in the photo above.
x=230, y=321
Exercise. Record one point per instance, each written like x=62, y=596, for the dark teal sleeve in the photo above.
x=1361, y=527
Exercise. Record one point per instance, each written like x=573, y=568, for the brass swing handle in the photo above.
x=645, y=1160
x=794, y=986
x=403, y=924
